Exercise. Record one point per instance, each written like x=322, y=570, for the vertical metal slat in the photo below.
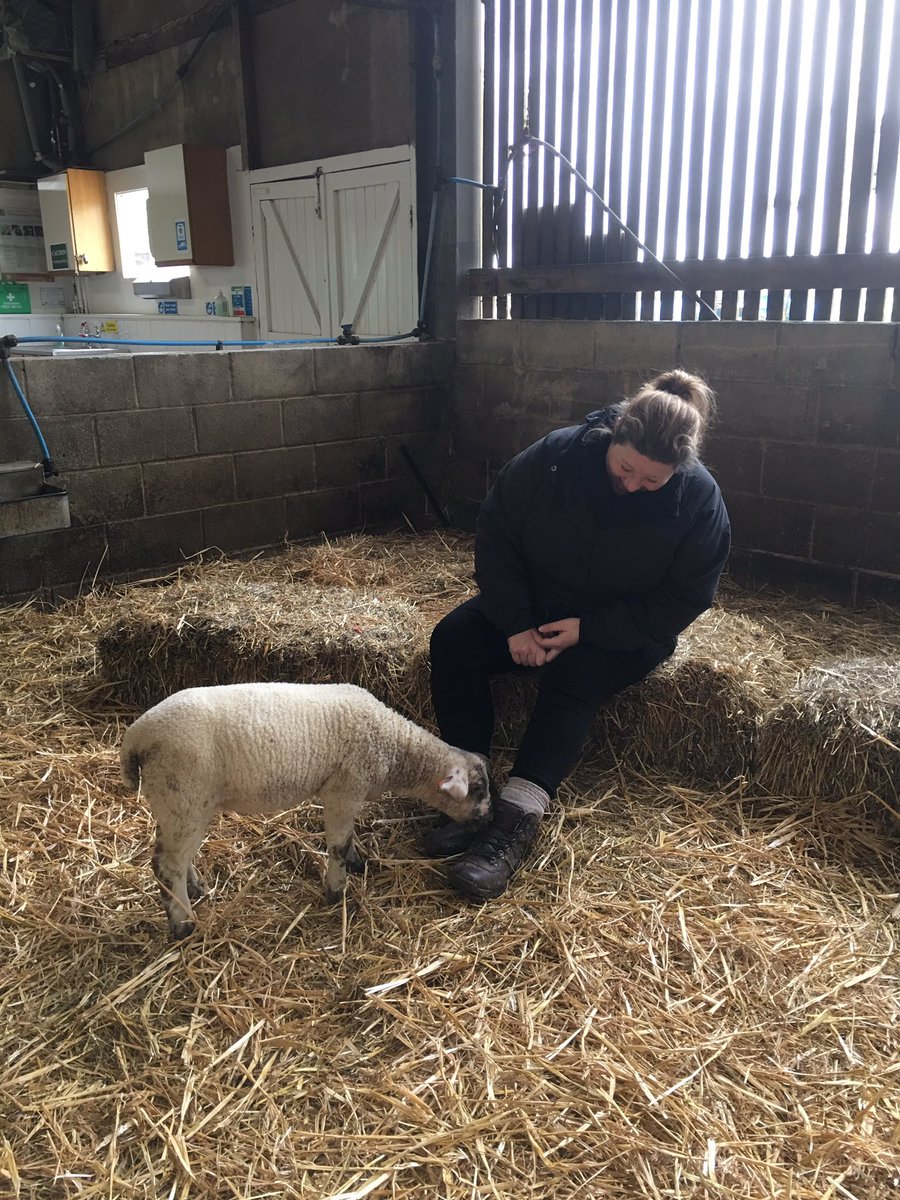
x=614, y=198
x=655, y=175
x=863, y=149
x=833, y=174
x=518, y=169
x=759, y=202
x=781, y=214
x=886, y=167
x=739, y=160
x=694, y=197
x=638, y=117
x=578, y=214
x=806, y=201
x=674, y=167
x=548, y=214
x=595, y=305
x=717, y=141
x=532, y=156
x=488, y=145
x=561, y=305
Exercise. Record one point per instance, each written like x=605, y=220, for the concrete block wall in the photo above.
x=167, y=455
x=806, y=448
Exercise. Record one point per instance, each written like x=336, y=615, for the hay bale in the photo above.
x=361, y=608
x=434, y=571
x=699, y=714
x=837, y=733
x=221, y=627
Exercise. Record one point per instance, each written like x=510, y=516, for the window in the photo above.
x=134, y=238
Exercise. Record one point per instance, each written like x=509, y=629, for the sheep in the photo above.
x=266, y=747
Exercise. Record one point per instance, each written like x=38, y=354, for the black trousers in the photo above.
x=466, y=650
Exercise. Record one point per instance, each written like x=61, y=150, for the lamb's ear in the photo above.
x=455, y=785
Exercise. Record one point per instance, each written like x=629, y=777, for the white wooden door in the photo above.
x=371, y=234
x=291, y=259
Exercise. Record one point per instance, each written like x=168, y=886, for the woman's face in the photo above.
x=631, y=472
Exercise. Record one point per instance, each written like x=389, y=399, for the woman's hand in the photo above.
x=557, y=636
x=527, y=648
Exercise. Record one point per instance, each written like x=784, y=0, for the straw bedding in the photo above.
x=689, y=992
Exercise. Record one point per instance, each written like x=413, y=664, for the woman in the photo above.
x=595, y=548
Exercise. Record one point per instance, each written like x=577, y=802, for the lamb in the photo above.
x=265, y=747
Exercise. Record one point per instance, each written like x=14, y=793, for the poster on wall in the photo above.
x=21, y=232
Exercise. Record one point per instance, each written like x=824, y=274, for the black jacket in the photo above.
x=553, y=540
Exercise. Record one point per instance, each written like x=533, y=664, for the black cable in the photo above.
x=500, y=199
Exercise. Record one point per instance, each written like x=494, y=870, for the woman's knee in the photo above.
x=446, y=639
x=454, y=634
x=465, y=639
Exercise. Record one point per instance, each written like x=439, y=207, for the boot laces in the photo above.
x=496, y=841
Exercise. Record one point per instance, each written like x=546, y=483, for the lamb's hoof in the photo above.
x=196, y=891
x=332, y=896
x=356, y=864
x=182, y=930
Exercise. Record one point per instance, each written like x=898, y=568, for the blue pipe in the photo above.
x=93, y=341
x=49, y=468
x=101, y=341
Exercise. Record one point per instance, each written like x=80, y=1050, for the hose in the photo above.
x=47, y=461
x=217, y=344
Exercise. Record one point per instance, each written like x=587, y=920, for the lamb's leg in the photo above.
x=341, y=801
x=195, y=886
x=178, y=881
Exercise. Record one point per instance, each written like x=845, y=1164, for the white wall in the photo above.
x=112, y=294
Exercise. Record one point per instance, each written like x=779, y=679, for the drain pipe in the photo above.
x=469, y=92
x=6, y=344
x=436, y=69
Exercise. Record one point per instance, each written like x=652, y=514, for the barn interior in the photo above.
x=283, y=285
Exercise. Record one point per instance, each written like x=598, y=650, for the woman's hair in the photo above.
x=667, y=418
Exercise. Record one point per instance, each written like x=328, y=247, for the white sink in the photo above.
x=51, y=350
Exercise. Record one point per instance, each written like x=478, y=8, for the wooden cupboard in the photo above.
x=187, y=206
x=75, y=217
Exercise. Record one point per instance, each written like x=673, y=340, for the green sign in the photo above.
x=14, y=297
x=59, y=256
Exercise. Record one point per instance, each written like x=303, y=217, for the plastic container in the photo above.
x=221, y=305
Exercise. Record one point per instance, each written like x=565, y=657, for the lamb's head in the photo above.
x=464, y=794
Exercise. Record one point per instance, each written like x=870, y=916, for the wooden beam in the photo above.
x=710, y=274
x=173, y=33
x=242, y=41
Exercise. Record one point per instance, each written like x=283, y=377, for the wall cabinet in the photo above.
x=187, y=206
x=77, y=235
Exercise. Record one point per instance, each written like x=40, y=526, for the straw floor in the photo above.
x=689, y=991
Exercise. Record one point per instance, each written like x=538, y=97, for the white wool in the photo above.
x=264, y=747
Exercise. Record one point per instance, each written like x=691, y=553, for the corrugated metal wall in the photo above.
x=716, y=129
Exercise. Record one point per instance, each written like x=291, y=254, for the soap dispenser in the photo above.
x=221, y=304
